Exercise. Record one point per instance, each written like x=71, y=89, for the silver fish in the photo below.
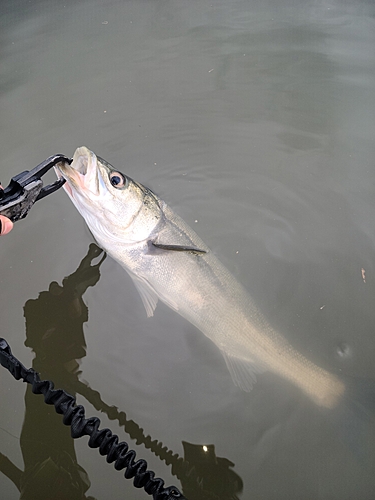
x=168, y=261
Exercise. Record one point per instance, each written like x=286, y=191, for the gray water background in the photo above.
x=255, y=121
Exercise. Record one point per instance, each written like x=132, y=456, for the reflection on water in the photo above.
x=214, y=473
x=202, y=474
x=54, y=331
x=255, y=119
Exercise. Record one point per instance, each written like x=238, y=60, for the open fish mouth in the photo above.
x=83, y=173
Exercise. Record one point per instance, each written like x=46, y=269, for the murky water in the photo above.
x=255, y=121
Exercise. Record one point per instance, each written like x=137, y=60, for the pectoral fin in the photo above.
x=179, y=248
x=242, y=371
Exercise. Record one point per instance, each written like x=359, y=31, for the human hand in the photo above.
x=6, y=225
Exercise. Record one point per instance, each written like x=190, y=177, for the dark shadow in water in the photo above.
x=54, y=331
x=202, y=474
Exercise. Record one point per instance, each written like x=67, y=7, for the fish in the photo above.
x=168, y=261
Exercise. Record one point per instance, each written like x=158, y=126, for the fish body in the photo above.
x=167, y=260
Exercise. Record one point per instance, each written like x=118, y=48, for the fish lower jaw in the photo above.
x=58, y=172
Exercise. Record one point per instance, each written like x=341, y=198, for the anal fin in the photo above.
x=242, y=371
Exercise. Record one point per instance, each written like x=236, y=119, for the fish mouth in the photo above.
x=82, y=174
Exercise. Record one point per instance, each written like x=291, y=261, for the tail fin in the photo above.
x=354, y=417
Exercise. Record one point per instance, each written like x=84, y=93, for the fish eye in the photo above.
x=117, y=179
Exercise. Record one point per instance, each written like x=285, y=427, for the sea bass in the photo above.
x=168, y=261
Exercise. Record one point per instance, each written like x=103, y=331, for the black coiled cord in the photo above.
x=180, y=467
x=105, y=440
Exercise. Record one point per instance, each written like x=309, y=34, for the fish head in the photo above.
x=114, y=206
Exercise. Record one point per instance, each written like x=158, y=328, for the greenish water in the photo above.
x=255, y=122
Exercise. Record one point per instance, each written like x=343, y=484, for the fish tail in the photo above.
x=354, y=417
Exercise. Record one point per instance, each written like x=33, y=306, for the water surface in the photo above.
x=255, y=122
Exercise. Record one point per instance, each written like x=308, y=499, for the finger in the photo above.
x=6, y=225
